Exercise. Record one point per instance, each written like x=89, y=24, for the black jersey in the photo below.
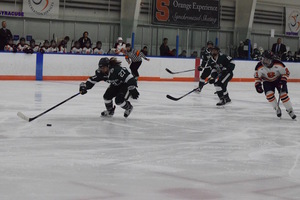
x=223, y=62
x=205, y=56
x=117, y=76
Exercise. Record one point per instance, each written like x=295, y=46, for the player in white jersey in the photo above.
x=87, y=48
x=76, y=49
x=22, y=45
x=271, y=74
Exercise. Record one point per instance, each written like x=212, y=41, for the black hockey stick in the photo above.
x=21, y=115
x=176, y=99
x=179, y=71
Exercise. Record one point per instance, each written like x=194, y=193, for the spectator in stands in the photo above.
x=98, y=49
x=5, y=34
x=194, y=54
x=183, y=54
x=145, y=50
x=45, y=47
x=87, y=49
x=240, y=50
x=21, y=46
x=53, y=48
x=256, y=54
x=290, y=57
x=76, y=48
x=297, y=56
x=62, y=47
x=278, y=48
x=173, y=52
x=84, y=39
x=120, y=46
x=10, y=46
x=164, y=48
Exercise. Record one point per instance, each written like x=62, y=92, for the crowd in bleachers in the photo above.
x=84, y=45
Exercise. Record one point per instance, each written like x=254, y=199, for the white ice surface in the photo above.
x=165, y=150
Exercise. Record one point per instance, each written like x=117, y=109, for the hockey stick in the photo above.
x=176, y=99
x=22, y=116
x=179, y=71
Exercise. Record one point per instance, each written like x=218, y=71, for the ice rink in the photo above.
x=165, y=150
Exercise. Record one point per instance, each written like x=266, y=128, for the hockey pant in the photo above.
x=221, y=84
x=134, y=69
x=269, y=88
x=120, y=93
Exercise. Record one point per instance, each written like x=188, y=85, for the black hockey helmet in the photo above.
x=128, y=45
x=267, y=58
x=210, y=43
x=103, y=62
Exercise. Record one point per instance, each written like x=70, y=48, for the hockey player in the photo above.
x=22, y=45
x=45, y=47
x=271, y=74
x=10, y=46
x=205, y=55
x=134, y=59
x=220, y=69
x=98, y=49
x=76, y=49
x=87, y=48
x=32, y=47
x=120, y=46
x=53, y=47
x=122, y=84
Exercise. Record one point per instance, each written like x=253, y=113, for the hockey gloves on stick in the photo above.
x=133, y=92
x=82, y=88
x=258, y=87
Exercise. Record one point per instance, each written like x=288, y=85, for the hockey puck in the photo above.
x=49, y=124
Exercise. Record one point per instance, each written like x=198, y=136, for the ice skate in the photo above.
x=227, y=100
x=278, y=111
x=291, y=113
x=222, y=102
x=108, y=113
x=128, y=110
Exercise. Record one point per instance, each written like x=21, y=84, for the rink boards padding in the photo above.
x=73, y=67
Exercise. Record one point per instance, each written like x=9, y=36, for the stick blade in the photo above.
x=22, y=116
x=169, y=71
x=172, y=98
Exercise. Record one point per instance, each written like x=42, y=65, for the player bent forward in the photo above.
x=219, y=67
x=273, y=74
x=122, y=84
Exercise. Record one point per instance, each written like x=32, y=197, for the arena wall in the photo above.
x=20, y=66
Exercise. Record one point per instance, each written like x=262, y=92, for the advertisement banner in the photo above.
x=196, y=13
x=41, y=8
x=292, y=23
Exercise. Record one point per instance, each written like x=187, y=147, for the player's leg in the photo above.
x=109, y=94
x=134, y=69
x=285, y=99
x=122, y=101
x=269, y=88
x=221, y=88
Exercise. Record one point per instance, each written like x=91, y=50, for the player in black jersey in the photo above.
x=219, y=67
x=205, y=55
x=122, y=85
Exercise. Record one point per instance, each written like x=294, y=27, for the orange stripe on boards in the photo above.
x=21, y=78
x=65, y=78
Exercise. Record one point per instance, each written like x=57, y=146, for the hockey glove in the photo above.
x=211, y=81
x=282, y=83
x=259, y=88
x=133, y=92
x=82, y=88
x=200, y=68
